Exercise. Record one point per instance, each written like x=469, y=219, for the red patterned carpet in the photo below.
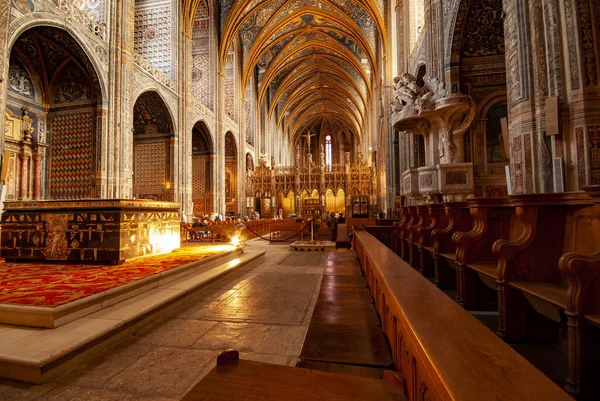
x=53, y=285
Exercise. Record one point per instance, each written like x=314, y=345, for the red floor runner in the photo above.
x=53, y=284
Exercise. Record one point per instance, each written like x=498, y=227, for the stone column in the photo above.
x=4, y=16
x=23, y=192
x=37, y=175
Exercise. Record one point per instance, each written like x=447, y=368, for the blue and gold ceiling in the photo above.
x=315, y=60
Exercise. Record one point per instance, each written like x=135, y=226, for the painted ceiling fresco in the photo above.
x=313, y=58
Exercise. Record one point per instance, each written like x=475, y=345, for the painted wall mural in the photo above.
x=19, y=81
x=73, y=86
x=151, y=115
x=24, y=6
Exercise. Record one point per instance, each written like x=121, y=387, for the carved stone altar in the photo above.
x=88, y=231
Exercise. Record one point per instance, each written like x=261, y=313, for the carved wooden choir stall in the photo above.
x=534, y=258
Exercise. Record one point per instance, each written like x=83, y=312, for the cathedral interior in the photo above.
x=442, y=157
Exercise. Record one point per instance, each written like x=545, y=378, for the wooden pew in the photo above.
x=422, y=218
x=235, y=379
x=582, y=272
x=403, y=218
x=405, y=229
x=475, y=262
x=444, y=249
x=383, y=233
x=436, y=220
x=442, y=351
x=536, y=302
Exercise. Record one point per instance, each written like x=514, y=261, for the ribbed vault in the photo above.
x=315, y=61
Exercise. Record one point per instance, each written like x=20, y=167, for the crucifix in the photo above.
x=308, y=135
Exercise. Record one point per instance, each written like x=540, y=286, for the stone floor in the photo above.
x=262, y=310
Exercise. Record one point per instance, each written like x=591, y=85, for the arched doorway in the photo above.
x=51, y=118
x=231, y=176
x=152, y=137
x=203, y=156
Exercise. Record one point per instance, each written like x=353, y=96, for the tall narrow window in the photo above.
x=328, y=150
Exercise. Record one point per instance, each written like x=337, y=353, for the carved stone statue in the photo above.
x=446, y=147
x=406, y=93
x=434, y=90
x=322, y=155
x=27, y=124
x=410, y=99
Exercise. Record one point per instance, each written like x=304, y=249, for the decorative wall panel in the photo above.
x=198, y=176
x=484, y=34
x=558, y=146
x=528, y=163
x=249, y=122
x=229, y=87
x=202, y=78
x=594, y=145
x=150, y=167
x=590, y=71
x=72, y=155
x=155, y=35
x=517, y=159
x=580, y=156
x=572, y=50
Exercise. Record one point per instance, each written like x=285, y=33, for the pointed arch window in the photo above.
x=328, y=151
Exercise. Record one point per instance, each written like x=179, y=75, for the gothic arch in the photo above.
x=67, y=96
x=490, y=101
x=30, y=21
x=155, y=87
x=153, y=162
x=249, y=161
x=208, y=130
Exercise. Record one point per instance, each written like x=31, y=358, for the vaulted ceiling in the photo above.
x=314, y=59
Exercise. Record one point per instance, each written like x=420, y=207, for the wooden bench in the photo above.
x=444, y=249
x=442, y=351
x=234, y=379
x=475, y=262
x=437, y=220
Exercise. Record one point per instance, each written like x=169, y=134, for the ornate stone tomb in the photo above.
x=88, y=231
